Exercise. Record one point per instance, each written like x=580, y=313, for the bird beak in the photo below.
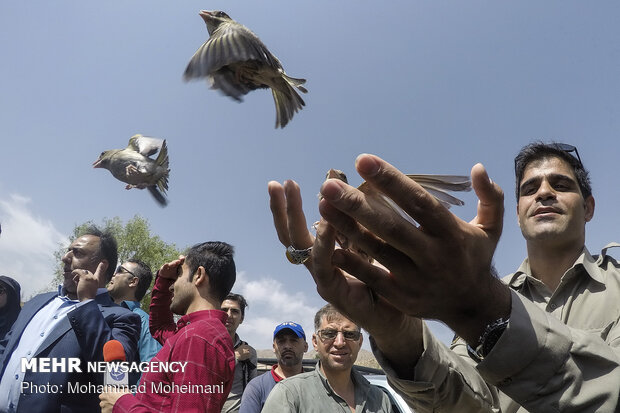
x=97, y=163
x=206, y=15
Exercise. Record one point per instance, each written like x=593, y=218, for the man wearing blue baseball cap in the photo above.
x=289, y=344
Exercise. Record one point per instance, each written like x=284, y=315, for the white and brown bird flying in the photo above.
x=134, y=166
x=235, y=61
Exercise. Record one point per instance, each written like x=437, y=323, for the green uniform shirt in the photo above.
x=311, y=393
x=560, y=352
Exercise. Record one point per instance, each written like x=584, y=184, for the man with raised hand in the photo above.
x=193, y=286
x=74, y=322
x=548, y=340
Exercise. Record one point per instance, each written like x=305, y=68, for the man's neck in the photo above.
x=201, y=303
x=549, y=264
x=340, y=381
x=289, y=371
x=119, y=300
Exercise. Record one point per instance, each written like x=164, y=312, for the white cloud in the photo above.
x=269, y=305
x=27, y=245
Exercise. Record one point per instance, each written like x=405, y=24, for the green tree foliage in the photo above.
x=134, y=241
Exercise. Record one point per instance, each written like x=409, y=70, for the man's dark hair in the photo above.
x=108, y=248
x=329, y=312
x=145, y=276
x=239, y=299
x=538, y=150
x=216, y=258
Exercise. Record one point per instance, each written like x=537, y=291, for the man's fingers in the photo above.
x=490, y=215
x=372, y=212
x=322, y=250
x=300, y=237
x=277, y=203
x=405, y=192
x=361, y=239
x=375, y=277
x=99, y=270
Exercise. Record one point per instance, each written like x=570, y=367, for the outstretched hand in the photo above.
x=350, y=295
x=440, y=270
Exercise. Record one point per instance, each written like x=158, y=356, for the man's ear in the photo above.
x=103, y=276
x=200, y=277
x=305, y=346
x=134, y=281
x=314, y=341
x=589, y=205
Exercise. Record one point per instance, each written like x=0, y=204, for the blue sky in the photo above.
x=432, y=87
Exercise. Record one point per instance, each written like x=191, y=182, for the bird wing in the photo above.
x=230, y=43
x=145, y=145
x=436, y=185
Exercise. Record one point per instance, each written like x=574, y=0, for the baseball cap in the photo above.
x=294, y=327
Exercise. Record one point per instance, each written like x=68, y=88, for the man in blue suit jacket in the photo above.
x=74, y=322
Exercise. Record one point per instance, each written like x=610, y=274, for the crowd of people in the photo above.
x=545, y=338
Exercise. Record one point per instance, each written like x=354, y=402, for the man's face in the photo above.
x=337, y=353
x=123, y=281
x=83, y=253
x=551, y=206
x=233, y=309
x=183, y=291
x=289, y=348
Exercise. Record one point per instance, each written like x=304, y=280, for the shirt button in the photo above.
x=41, y=334
x=55, y=317
x=17, y=377
x=29, y=353
x=553, y=306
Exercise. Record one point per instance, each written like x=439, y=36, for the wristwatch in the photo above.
x=487, y=340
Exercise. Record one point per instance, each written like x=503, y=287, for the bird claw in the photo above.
x=131, y=170
x=139, y=186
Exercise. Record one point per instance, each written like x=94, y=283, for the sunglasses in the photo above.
x=331, y=334
x=565, y=147
x=121, y=269
x=568, y=149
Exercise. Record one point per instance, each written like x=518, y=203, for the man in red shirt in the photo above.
x=193, y=286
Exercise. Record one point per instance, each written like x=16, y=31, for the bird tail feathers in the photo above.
x=288, y=102
x=162, y=160
x=296, y=82
x=161, y=200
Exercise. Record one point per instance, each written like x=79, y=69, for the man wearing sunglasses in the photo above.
x=127, y=287
x=74, y=322
x=334, y=385
x=545, y=339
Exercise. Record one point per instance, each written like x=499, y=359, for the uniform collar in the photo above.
x=587, y=263
x=131, y=305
